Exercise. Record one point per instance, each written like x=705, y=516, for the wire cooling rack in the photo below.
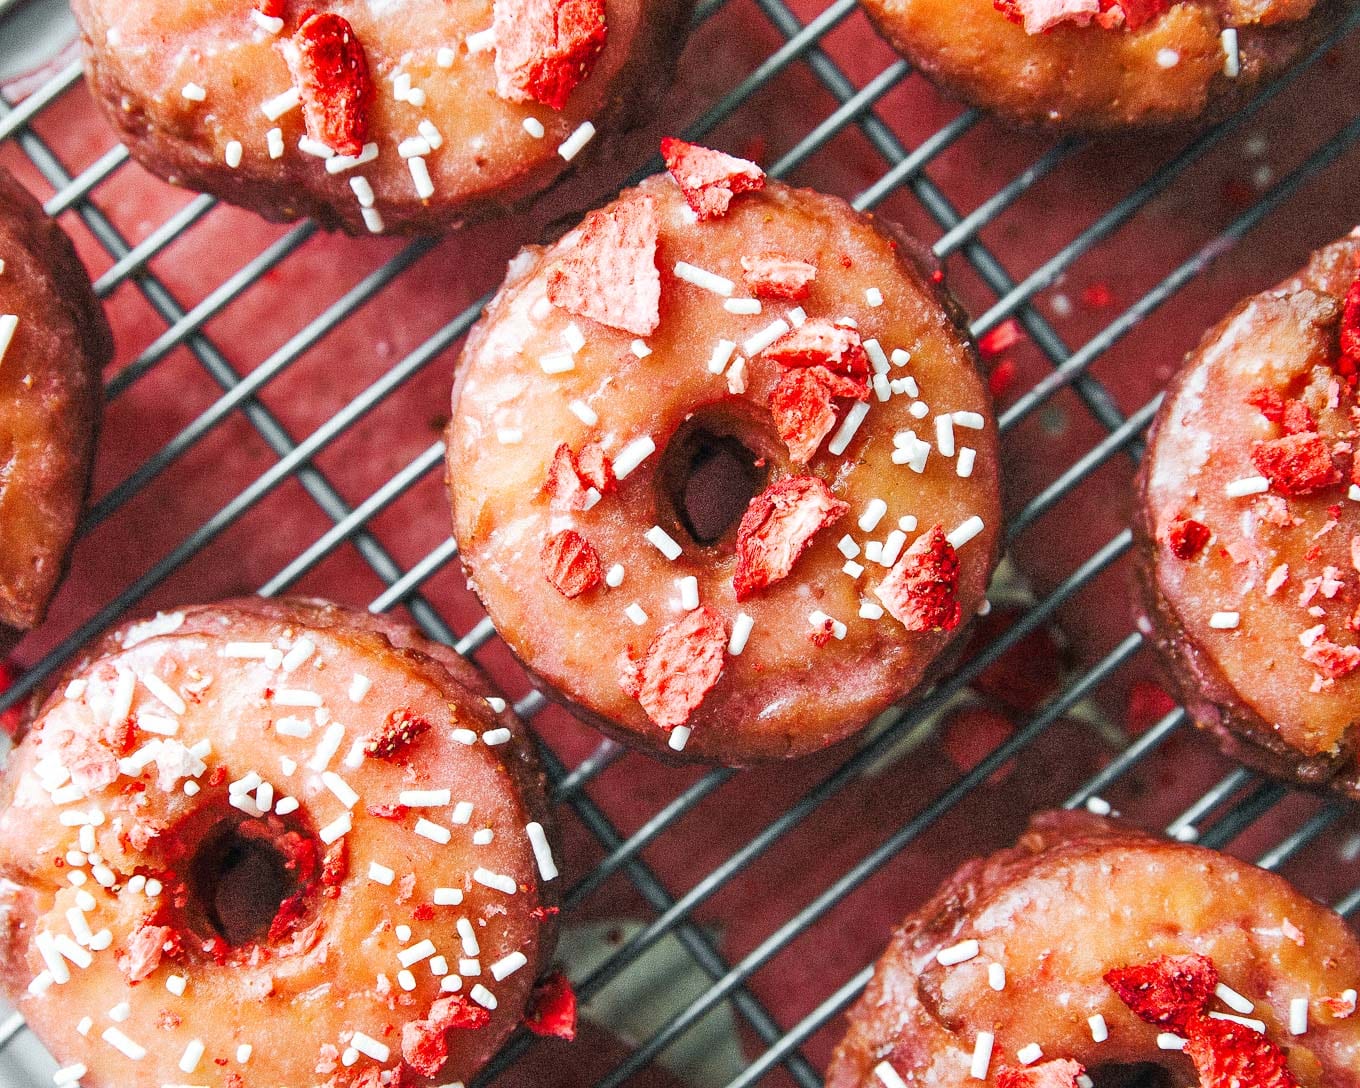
x=782, y=916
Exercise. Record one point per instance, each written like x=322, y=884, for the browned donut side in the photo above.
x=49, y=405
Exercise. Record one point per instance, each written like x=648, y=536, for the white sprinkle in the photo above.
x=367, y=1045
x=722, y=355
x=420, y=175
x=483, y=836
x=534, y=127
x=1099, y=1030
x=444, y=57
x=1233, y=999
x=293, y=727
x=701, y=277
x=76, y=688
x=193, y=92
x=1248, y=485
x=633, y=455
x=1168, y=58
x=678, y=738
x=1028, y=1055
x=373, y=220
x=338, y=164
x=892, y=547
x=276, y=107
x=874, y=297
x=889, y=1076
x=982, y=1055
x=439, y=966
x=944, y=435
x=498, y=881
x=286, y=806
x=582, y=411
x=967, y=459
x=736, y=376
x=462, y=812
x=746, y=307
x=538, y=839
x=72, y=951
x=432, y=135
x=243, y=1053
x=71, y=1074
x=316, y=148
x=504, y=968
x=102, y=940
x=349, y=1057
x=1298, y=1016
x=959, y=953
x=613, y=577
x=409, y=957
x=330, y=744
x=401, y=86
x=663, y=542
x=176, y=984
x=123, y=1044
x=1225, y=621
x=482, y=996
x=270, y=24
x=965, y=532
x=820, y=619
x=469, y=937
x=56, y=966
x=380, y=874
x=509, y=436
x=164, y=692
x=412, y=146
x=341, y=825
x=450, y=984
x=852, y=568
x=971, y=421
x=1168, y=1041
x=996, y=976
x=296, y=697
x=233, y=153
x=424, y=798
x=882, y=387
x=572, y=145
x=193, y=1054
x=640, y=349
x=868, y=521
x=758, y=342
x=358, y=687
x=123, y=690
x=848, y=427
x=1099, y=806
x=689, y=592
x=41, y=983
x=919, y=410
x=434, y=832
x=481, y=41
x=447, y=897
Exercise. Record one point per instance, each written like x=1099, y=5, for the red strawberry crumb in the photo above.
x=401, y=728
x=331, y=72
x=1297, y=464
x=571, y=475
x=610, y=275
x=425, y=1044
x=145, y=948
x=286, y=918
x=571, y=563
x=1268, y=402
x=1229, y=1055
x=772, y=275
x=542, y=914
x=921, y=592
x=552, y=1008
x=822, y=631
x=1002, y=338
x=681, y=666
x=1332, y=660
x=1057, y=1074
x=801, y=404
x=388, y=812
x=1186, y=537
x=1342, y=1006
x=271, y=8
x=1041, y=16
x=777, y=528
x=820, y=342
x=709, y=179
x=545, y=48
x=1171, y=991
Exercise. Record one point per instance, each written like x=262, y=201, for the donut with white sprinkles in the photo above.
x=722, y=468
x=1249, y=527
x=54, y=341
x=273, y=843
x=1100, y=65
x=400, y=116
x=1092, y=953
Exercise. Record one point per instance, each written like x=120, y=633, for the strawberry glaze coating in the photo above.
x=742, y=615
x=54, y=341
x=1090, y=65
x=1082, y=913
x=285, y=843
x=471, y=108
x=1249, y=528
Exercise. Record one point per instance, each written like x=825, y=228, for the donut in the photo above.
x=405, y=116
x=722, y=468
x=54, y=341
x=1091, y=952
x=308, y=819
x=1248, y=529
x=1100, y=65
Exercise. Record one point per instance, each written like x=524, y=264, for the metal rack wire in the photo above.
x=1221, y=814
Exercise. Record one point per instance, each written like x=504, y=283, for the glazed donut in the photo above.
x=54, y=341
x=1092, y=952
x=1249, y=532
x=265, y=843
x=725, y=478
x=404, y=115
x=1092, y=65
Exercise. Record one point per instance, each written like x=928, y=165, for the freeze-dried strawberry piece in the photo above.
x=772, y=275
x=610, y=275
x=801, y=403
x=1350, y=333
x=709, y=179
x=1293, y=416
x=1171, y=991
x=425, y=1044
x=1297, y=464
x=272, y=8
x=145, y=948
x=545, y=48
x=1342, y=1006
x=571, y=563
x=398, y=730
x=681, y=666
x=1039, y=16
x=778, y=526
x=572, y=475
x=1332, y=659
x=1056, y=1074
x=820, y=342
x=921, y=592
x=1186, y=537
x=1230, y=1055
x=331, y=72
x=552, y=1008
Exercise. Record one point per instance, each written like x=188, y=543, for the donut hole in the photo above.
x=708, y=475
x=1131, y=1075
x=237, y=882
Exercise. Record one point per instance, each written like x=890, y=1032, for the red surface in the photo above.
x=1105, y=281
